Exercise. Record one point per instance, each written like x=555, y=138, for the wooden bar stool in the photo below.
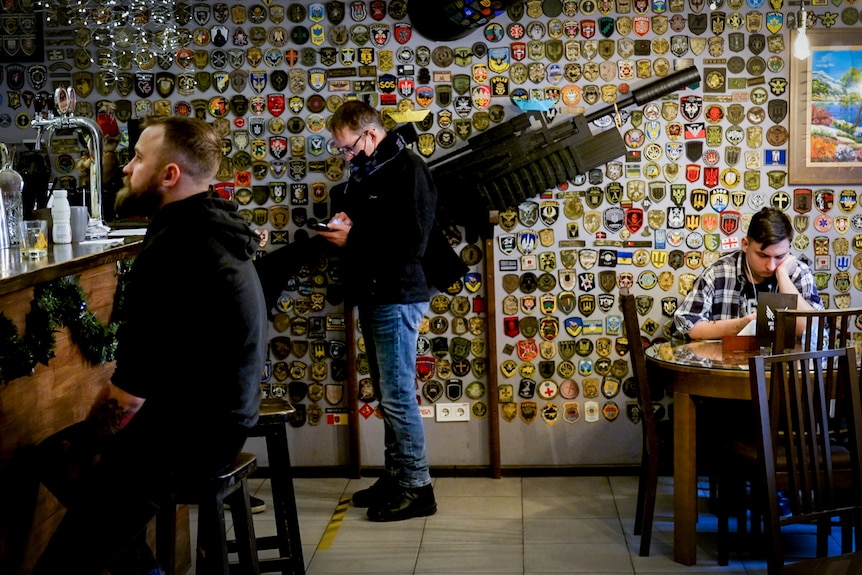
x=275, y=413
x=212, y=546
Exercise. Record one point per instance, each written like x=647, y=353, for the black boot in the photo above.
x=377, y=493
x=406, y=503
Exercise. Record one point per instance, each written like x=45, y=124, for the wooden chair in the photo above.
x=795, y=455
x=830, y=327
x=648, y=481
x=825, y=329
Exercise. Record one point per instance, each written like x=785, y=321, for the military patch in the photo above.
x=478, y=367
x=508, y=410
x=144, y=84
x=528, y=411
x=380, y=34
x=454, y=389
x=432, y=390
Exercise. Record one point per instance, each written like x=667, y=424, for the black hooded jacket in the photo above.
x=392, y=201
x=193, y=341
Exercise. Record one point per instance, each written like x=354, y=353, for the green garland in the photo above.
x=55, y=304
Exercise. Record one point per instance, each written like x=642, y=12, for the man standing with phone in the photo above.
x=389, y=200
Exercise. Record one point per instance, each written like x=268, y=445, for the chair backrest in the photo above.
x=824, y=329
x=790, y=403
x=638, y=358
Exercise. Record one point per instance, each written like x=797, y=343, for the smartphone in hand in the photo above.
x=321, y=226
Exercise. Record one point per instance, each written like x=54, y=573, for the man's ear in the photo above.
x=374, y=134
x=172, y=175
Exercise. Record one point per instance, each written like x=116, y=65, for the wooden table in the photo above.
x=689, y=370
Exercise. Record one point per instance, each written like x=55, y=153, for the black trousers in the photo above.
x=111, y=490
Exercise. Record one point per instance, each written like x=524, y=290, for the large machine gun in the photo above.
x=522, y=157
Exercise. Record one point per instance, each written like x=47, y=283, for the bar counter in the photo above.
x=18, y=273
x=53, y=396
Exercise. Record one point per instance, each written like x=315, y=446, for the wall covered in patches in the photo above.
x=760, y=127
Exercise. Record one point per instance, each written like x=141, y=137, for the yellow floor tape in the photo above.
x=334, y=523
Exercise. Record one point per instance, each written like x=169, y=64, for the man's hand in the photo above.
x=716, y=329
x=785, y=285
x=113, y=410
x=787, y=267
x=340, y=224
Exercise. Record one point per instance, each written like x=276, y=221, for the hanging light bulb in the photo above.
x=801, y=47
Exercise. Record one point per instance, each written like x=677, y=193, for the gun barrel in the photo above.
x=519, y=159
x=653, y=91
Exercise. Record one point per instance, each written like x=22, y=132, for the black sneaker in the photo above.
x=377, y=493
x=407, y=503
x=257, y=505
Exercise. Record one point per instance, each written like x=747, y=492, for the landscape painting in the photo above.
x=826, y=110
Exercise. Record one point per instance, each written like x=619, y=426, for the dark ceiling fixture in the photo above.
x=441, y=21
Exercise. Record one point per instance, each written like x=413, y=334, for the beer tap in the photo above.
x=46, y=123
x=43, y=122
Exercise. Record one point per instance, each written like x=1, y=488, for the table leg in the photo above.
x=684, y=480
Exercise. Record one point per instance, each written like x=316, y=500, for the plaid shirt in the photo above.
x=723, y=292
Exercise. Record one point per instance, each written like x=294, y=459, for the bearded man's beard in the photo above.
x=137, y=203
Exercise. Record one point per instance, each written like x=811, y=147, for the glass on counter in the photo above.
x=34, y=238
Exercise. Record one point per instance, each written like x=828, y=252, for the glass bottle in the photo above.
x=11, y=186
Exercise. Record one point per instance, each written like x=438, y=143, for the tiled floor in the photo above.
x=530, y=525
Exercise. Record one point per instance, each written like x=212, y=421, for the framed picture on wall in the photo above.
x=826, y=110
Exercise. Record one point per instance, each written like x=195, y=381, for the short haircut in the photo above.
x=355, y=116
x=191, y=143
x=770, y=226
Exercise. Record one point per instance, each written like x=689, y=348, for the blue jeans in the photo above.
x=390, y=333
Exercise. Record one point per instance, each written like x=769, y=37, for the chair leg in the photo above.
x=847, y=531
x=757, y=510
x=731, y=492
x=642, y=481
x=646, y=505
x=724, y=492
x=742, y=509
x=824, y=529
x=713, y=492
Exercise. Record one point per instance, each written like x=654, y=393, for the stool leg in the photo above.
x=243, y=526
x=284, y=499
x=166, y=537
x=212, y=554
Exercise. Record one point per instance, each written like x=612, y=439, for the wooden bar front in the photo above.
x=53, y=397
